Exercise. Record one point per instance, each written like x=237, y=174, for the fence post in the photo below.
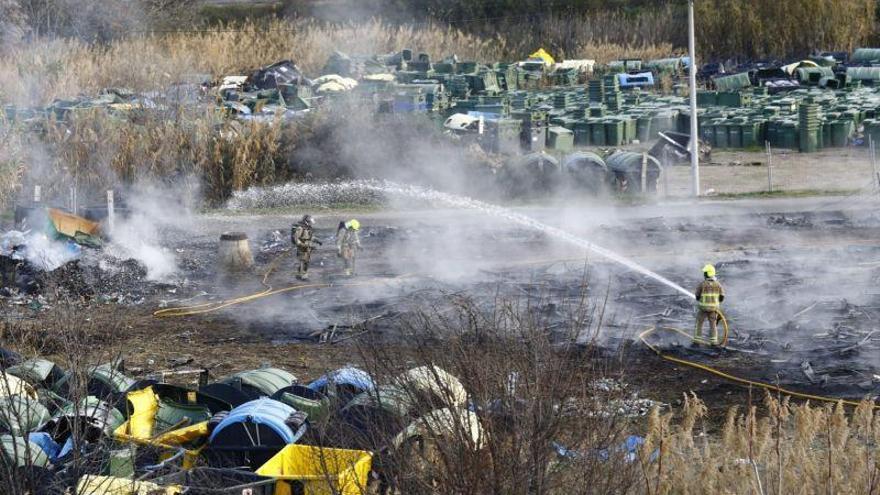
x=111, y=213
x=872, y=148
x=769, y=167
x=644, y=172
x=37, y=194
x=665, y=172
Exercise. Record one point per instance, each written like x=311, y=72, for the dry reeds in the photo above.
x=804, y=449
x=47, y=69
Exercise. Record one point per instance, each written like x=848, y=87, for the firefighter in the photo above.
x=709, y=296
x=348, y=243
x=302, y=235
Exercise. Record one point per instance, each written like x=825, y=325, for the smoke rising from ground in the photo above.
x=139, y=234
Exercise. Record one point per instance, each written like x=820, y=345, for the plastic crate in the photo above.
x=318, y=471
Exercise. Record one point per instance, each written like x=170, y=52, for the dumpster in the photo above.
x=253, y=432
x=309, y=470
x=614, y=132
x=721, y=134
x=249, y=385
x=586, y=171
x=582, y=133
x=597, y=133
x=734, y=135
x=560, y=138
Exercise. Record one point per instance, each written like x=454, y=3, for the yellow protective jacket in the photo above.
x=709, y=295
x=347, y=239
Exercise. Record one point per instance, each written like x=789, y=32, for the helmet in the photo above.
x=307, y=220
x=353, y=224
x=709, y=270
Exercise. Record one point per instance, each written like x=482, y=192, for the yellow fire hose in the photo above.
x=199, y=309
x=269, y=291
x=743, y=381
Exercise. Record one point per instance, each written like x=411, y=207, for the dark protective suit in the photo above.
x=303, y=237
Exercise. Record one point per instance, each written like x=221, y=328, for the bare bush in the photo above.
x=532, y=390
x=60, y=407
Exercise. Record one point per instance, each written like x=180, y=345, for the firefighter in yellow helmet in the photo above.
x=709, y=296
x=347, y=243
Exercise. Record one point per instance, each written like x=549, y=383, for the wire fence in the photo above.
x=780, y=172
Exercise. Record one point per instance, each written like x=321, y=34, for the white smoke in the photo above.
x=290, y=194
x=38, y=249
x=138, y=235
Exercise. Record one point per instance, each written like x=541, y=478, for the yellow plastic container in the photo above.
x=320, y=471
x=139, y=429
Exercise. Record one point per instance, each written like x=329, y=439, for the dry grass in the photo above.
x=749, y=29
x=101, y=150
x=802, y=449
x=197, y=152
x=13, y=156
x=47, y=69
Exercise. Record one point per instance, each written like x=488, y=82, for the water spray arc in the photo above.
x=295, y=193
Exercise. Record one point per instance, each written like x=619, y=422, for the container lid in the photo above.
x=233, y=236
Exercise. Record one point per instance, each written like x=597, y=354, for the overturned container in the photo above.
x=634, y=173
x=586, y=171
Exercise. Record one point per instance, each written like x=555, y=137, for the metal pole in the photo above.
x=695, y=140
x=872, y=148
x=769, y=167
x=665, y=172
x=111, y=210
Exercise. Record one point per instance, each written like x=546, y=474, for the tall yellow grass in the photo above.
x=789, y=449
x=197, y=151
x=46, y=69
x=101, y=149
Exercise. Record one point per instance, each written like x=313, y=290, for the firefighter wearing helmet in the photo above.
x=348, y=243
x=709, y=296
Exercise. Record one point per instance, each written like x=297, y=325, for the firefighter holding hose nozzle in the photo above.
x=709, y=296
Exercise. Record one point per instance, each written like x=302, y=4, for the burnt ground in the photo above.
x=800, y=276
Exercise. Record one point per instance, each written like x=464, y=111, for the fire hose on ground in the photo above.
x=209, y=307
x=643, y=337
